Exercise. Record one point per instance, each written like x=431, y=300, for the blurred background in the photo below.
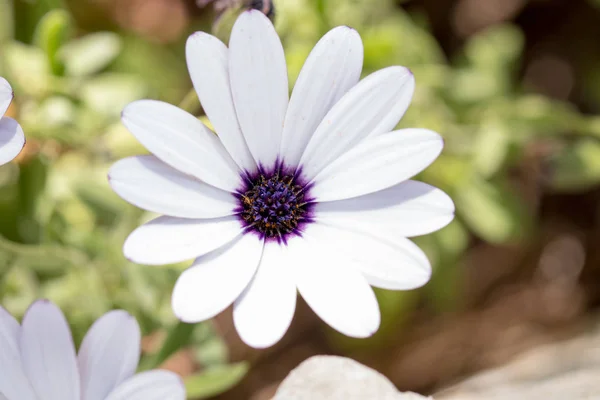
x=512, y=85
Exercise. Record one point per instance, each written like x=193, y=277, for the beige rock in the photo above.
x=338, y=378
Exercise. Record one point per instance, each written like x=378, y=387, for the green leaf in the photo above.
x=47, y=259
x=491, y=149
x=179, y=337
x=99, y=197
x=110, y=93
x=492, y=211
x=56, y=112
x=497, y=47
x=538, y=115
x=576, y=167
x=210, y=348
x=6, y=20
x=53, y=30
x=398, y=40
x=32, y=185
x=471, y=85
x=215, y=380
x=90, y=54
x=19, y=288
x=28, y=68
x=445, y=289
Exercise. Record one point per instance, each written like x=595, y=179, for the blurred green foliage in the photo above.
x=62, y=228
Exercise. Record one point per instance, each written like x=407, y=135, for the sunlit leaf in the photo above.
x=91, y=53
x=28, y=68
x=53, y=30
x=495, y=48
x=110, y=93
x=492, y=211
x=490, y=149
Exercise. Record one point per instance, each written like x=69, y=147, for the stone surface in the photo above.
x=338, y=378
x=565, y=370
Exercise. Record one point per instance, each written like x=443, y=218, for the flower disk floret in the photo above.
x=275, y=204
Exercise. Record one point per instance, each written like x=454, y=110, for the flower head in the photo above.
x=306, y=194
x=38, y=360
x=12, y=139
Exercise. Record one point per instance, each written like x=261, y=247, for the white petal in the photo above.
x=167, y=240
x=377, y=164
x=182, y=141
x=215, y=280
x=12, y=139
x=150, y=385
x=48, y=353
x=148, y=183
x=259, y=84
x=374, y=105
x=331, y=69
x=13, y=382
x=263, y=313
x=6, y=96
x=408, y=209
x=393, y=263
x=208, y=63
x=337, y=292
x=109, y=354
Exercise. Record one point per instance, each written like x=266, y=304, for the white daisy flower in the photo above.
x=12, y=139
x=309, y=194
x=38, y=360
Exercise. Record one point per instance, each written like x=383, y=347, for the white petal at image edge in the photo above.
x=263, y=312
x=48, y=353
x=109, y=354
x=215, y=280
x=12, y=139
x=150, y=385
x=259, y=84
x=13, y=382
x=168, y=240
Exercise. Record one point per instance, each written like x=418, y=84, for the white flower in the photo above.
x=12, y=139
x=38, y=361
x=309, y=195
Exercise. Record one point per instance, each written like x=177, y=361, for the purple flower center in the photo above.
x=275, y=205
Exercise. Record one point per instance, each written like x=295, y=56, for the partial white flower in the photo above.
x=38, y=360
x=12, y=139
x=307, y=194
